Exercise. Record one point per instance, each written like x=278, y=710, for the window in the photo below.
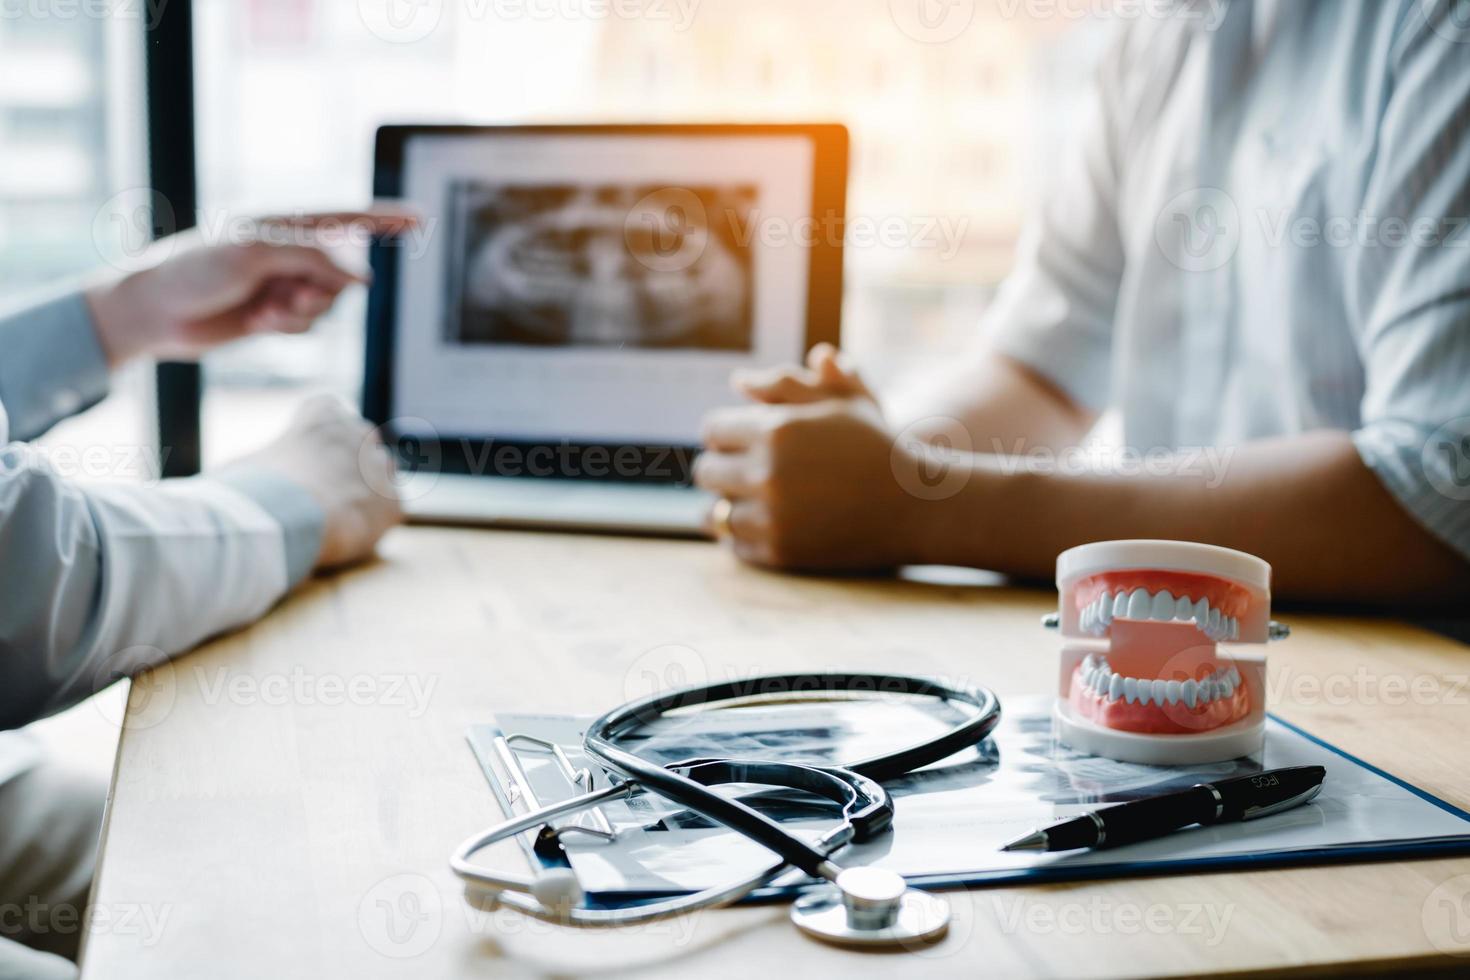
x=71, y=134
x=72, y=165
x=948, y=136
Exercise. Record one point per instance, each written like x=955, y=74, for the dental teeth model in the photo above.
x=1143, y=677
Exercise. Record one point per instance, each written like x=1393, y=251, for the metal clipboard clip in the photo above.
x=519, y=789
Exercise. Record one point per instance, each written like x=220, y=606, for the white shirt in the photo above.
x=98, y=583
x=1264, y=232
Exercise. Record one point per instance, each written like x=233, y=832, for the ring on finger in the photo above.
x=720, y=518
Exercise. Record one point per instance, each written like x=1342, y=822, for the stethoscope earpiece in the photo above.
x=558, y=889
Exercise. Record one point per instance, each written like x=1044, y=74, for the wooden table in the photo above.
x=284, y=800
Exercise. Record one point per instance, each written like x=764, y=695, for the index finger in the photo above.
x=734, y=429
x=383, y=218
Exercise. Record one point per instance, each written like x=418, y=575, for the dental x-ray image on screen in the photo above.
x=601, y=266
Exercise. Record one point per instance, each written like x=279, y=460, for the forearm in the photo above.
x=106, y=581
x=993, y=404
x=1307, y=504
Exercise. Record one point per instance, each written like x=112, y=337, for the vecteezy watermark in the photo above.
x=421, y=455
x=411, y=21
x=1450, y=19
x=1202, y=229
x=932, y=21
x=1446, y=459
x=35, y=917
x=1207, y=463
x=669, y=230
x=1100, y=916
x=664, y=668
x=1362, y=229
x=1367, y=687
x=154, y=687
x=133, y=464
x=934, y=459
x=1446, y=916
x=149, y=12
x=1198, y=230
x=299, y=686
x=415, y=459
x=401, y=21
x=928, y=458
x=1208, y=13
x=130, y=222
x=402, y=916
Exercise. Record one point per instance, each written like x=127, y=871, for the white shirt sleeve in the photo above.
x=100, y=582
x=103, y=582
x=1054, y=313
x=1411, y=293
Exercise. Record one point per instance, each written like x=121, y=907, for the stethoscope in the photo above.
x=858, y=905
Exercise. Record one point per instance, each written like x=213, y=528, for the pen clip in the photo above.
x=1306, y=796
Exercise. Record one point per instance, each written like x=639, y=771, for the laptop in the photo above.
x=542, y=350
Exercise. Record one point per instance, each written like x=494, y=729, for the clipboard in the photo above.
x=951, y=818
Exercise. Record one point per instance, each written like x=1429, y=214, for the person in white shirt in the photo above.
x=102, y=581
x=1259, y=256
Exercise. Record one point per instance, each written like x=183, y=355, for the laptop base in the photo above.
x=569, y=505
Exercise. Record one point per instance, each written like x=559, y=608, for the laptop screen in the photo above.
x=597, y=286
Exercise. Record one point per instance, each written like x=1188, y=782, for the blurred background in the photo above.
x=956, y=109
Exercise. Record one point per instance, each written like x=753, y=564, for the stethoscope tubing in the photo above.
x=599, y=744
x=512, y=891
x=637, y=773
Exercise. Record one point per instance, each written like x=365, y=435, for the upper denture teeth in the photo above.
x=1140, y=604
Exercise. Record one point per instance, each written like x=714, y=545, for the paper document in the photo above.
x=951, y=818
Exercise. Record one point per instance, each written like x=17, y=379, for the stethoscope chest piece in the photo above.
x=871, y=907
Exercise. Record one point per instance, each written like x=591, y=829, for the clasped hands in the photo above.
x=813, y=477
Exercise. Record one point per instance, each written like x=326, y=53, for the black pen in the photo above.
x=1241, y=798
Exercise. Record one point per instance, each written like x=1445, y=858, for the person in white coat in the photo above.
x=101, y=581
